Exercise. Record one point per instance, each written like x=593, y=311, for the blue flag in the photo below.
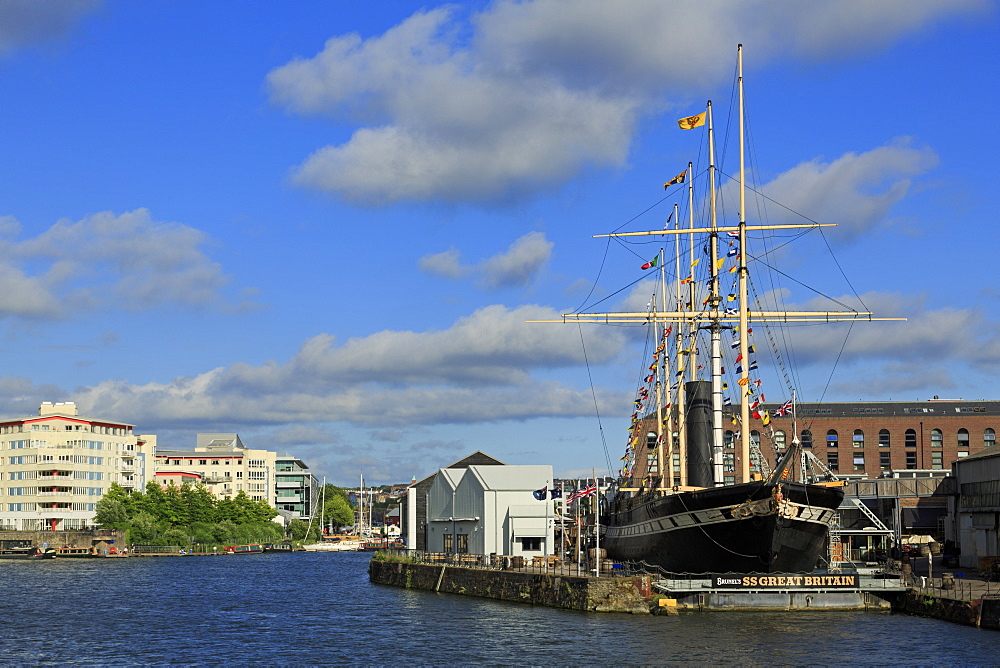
x=540, y=493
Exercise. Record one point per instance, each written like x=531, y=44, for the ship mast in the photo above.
x=661, y=372
x=744, y=338
x=689, y=320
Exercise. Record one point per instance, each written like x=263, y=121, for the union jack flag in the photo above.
x=784, y=409
x=582, y=493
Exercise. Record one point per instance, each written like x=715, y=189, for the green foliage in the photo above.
x=337, y=510
x=186, y=514
x=297, y=529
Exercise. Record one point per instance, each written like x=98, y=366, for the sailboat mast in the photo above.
x=713, y=304
x=744, y=338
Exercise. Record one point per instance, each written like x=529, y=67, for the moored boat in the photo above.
x=252, y=548
x=75, y=552
x=27, y=552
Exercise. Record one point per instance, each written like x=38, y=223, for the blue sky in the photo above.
x=322, y=225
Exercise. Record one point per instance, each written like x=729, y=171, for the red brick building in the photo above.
x=863, y=439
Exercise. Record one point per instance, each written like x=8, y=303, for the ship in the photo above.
x=681, y=504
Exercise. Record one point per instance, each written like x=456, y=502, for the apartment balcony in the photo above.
x=55, y=494
x=57, y=478
x=211, y=480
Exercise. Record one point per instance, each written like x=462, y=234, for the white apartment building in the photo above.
x=224, y=464
x=56, y=466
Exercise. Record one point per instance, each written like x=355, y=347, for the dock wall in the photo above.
x=558, y=591
x=101, y=539
x=983, y=612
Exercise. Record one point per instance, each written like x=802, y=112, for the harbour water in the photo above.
x=320, y=609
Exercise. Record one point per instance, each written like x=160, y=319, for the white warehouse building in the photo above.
x=488, y=510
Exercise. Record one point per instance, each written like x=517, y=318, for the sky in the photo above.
x=324, y=225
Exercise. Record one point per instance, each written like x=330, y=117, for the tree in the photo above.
x=201, y=505
x=111, y=514
x=337, y=510
x=297, y=529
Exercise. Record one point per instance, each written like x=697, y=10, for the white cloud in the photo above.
x=515, y=267
x=856, y=190
x=25, y=22
x=520, y=263
x=446, y=263
x=527, y=94
x=481, y=369
x=127, y=260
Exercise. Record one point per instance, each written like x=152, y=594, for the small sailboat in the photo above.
x=330, y=543
x=694, y=496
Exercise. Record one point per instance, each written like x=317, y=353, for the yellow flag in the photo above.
x=674, y=181
x=718, y=264
x=692, y=122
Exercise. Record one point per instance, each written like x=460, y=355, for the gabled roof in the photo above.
x=512, y=478
x=477, y=458
x=451, y=477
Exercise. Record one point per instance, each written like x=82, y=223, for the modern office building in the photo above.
x=224, y=464
x=296, y=489
x=56, y=466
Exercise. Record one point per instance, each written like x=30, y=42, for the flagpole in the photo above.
x=597, y=524
x=577, y=499
x=547, y=504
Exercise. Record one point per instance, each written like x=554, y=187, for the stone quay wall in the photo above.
x=558, y=591
x=101, y=539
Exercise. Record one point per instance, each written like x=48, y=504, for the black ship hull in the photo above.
x=747, y=528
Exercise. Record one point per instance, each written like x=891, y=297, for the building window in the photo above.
x=203, y=462
x=807, y=438
x=911, y=459
x=831, y=438
x=989, y=438
x=755, y=439
x=463, y=543
x=883, y=438
x=779, y=440
x=910, y=438
x=963, y=438
x=937, y=460
x=651, y=440
x=859, y=461
x=937, y=438
x=728, y=462
x=531, y=544
x=449, y=542
x=833, y=461
x=858, y=438
x=885, y=461
x=651, y=464
x=728, y=439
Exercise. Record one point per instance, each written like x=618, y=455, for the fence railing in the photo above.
x=553, y=564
